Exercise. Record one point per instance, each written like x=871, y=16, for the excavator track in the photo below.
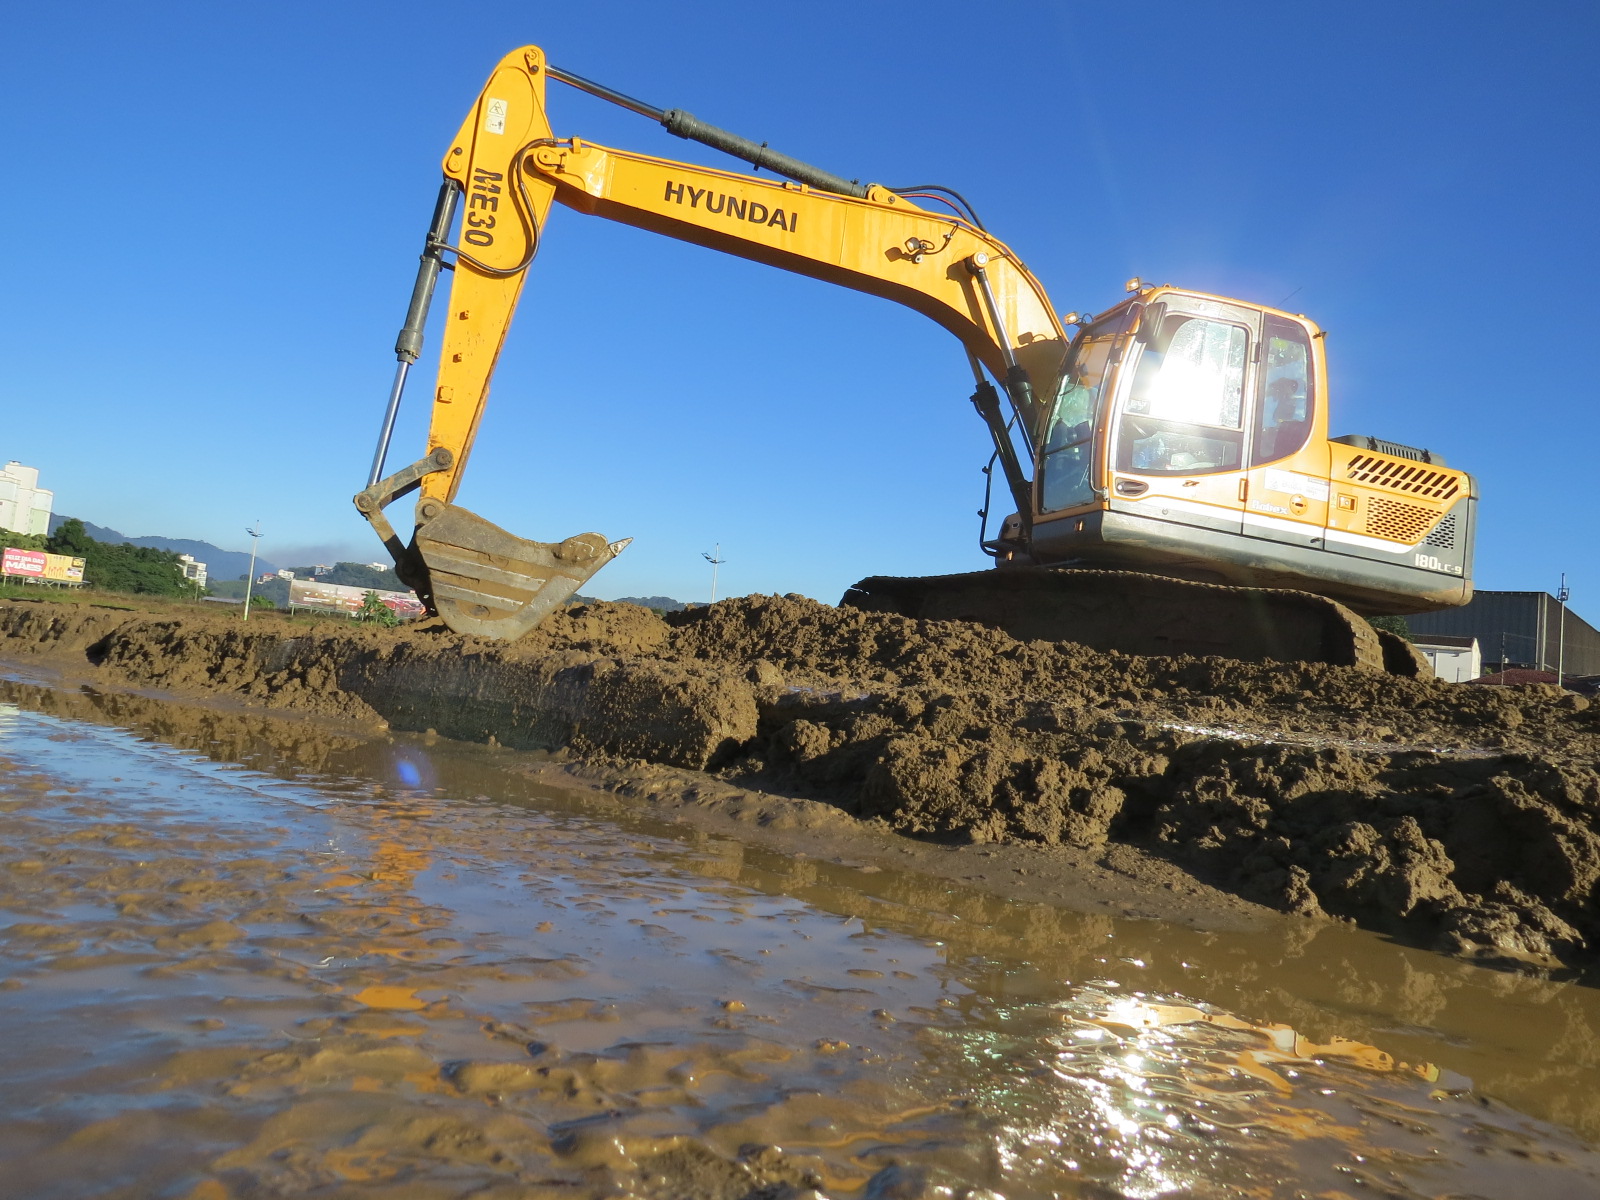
x=1137, y=613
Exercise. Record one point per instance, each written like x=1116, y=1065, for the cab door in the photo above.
x=1286, y=486
x=1181, y=431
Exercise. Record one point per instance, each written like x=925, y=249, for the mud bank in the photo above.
x=1461, y=818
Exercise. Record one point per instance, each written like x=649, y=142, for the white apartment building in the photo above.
x=193, y=570
x=24, y=505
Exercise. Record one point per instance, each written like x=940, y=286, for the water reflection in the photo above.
x=374, y=960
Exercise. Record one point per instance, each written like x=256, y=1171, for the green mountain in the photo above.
x=220, y=564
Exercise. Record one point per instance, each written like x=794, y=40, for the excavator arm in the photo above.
x=505, y=169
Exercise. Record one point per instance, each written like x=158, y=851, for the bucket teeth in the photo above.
x=490, y=583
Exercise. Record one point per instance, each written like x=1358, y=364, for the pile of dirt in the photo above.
x=1460, y=817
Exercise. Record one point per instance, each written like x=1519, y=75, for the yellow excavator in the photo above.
x=1176, y=489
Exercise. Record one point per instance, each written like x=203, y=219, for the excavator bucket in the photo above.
x=487, y=582
x=479, y=578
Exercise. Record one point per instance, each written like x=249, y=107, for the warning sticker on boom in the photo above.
x=494, y=116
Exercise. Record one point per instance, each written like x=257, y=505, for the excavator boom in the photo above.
x=505, y=169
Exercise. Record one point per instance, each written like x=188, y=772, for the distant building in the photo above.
x=383, y=566
x=1454, y=659
x=1518, y=630
x=321, y=569
x=24, y=505
x=284, y=575
x=267, y=577
x=193, y=571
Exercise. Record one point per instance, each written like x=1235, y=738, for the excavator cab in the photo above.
x=1189, y=435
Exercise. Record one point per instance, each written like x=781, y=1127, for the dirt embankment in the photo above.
x=1462, y=817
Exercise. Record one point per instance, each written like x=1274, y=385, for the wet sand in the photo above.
x=252, y=956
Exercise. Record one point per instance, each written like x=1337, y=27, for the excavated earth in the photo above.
x=1452, y=816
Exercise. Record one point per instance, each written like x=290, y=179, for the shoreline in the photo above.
x=1193, y=790
x=1131, y=884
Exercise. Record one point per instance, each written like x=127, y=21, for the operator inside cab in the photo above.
x=1284, y=422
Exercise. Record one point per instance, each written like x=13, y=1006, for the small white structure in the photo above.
x=1455, y=659
x=193, y=570
x=24, y=505
x=285, y=574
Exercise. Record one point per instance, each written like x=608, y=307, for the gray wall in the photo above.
x=1527, y=624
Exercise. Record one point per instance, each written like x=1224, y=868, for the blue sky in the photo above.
x=215, y=212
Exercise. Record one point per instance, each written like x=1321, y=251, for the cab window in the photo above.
x=1183, y=413
x=1283, y=416
x=1069, y=437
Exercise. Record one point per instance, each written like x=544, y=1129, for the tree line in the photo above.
x=112, y=567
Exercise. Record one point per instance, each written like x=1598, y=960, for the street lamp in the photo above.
x=1563, y=594
x=716, y=560
x=250, y=579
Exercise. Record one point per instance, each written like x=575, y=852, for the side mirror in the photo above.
x=1150, y=323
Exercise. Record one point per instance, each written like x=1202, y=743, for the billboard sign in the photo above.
x=63, y=568
x=28, y=564
x=35, y=564
x=329, y=597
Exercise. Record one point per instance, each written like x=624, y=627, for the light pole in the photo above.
x=1563, y=594
x=250, y=579
x=716, y=560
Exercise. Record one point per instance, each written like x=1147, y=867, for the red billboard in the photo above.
x=30, y=564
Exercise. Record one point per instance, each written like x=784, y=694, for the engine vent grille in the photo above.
x=1396, y=521
x=1443, y=536
x=1402, y=476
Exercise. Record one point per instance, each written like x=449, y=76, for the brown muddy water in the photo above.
x=248, y=957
